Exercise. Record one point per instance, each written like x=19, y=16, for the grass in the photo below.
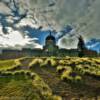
x=9, y=65
x=49, y=62
x=35, y=62
x=20, y=86
x=48, y=75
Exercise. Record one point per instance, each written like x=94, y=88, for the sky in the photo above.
x=26, y=23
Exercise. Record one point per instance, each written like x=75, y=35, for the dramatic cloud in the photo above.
x=12, y=19
x=25, y=16
x=15, y=39
x=4, y=9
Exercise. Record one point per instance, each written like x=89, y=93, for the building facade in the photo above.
x=49, y=49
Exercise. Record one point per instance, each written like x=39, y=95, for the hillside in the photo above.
x=50, y=78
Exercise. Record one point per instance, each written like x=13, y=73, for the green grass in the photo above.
x=46, y=77
x=35, y=62
x=20, y=86
x=7, y=64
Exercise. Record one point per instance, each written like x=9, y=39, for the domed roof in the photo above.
x=50, y=37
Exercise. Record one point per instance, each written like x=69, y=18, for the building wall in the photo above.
x=12, y=54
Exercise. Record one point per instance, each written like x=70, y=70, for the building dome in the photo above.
x=50, y=37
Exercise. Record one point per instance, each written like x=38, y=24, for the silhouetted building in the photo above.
x=49, y=49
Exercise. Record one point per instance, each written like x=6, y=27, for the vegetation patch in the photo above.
x=47, y=77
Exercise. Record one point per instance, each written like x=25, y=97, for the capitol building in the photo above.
x=49, y=49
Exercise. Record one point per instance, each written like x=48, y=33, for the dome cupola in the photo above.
x=50, y=38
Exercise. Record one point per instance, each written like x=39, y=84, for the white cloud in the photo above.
x=27, y=21
x=10, y=19
x=68, y=43
x=16, y=38
x=4, y=9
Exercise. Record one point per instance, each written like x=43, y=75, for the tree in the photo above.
x=81, y=46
